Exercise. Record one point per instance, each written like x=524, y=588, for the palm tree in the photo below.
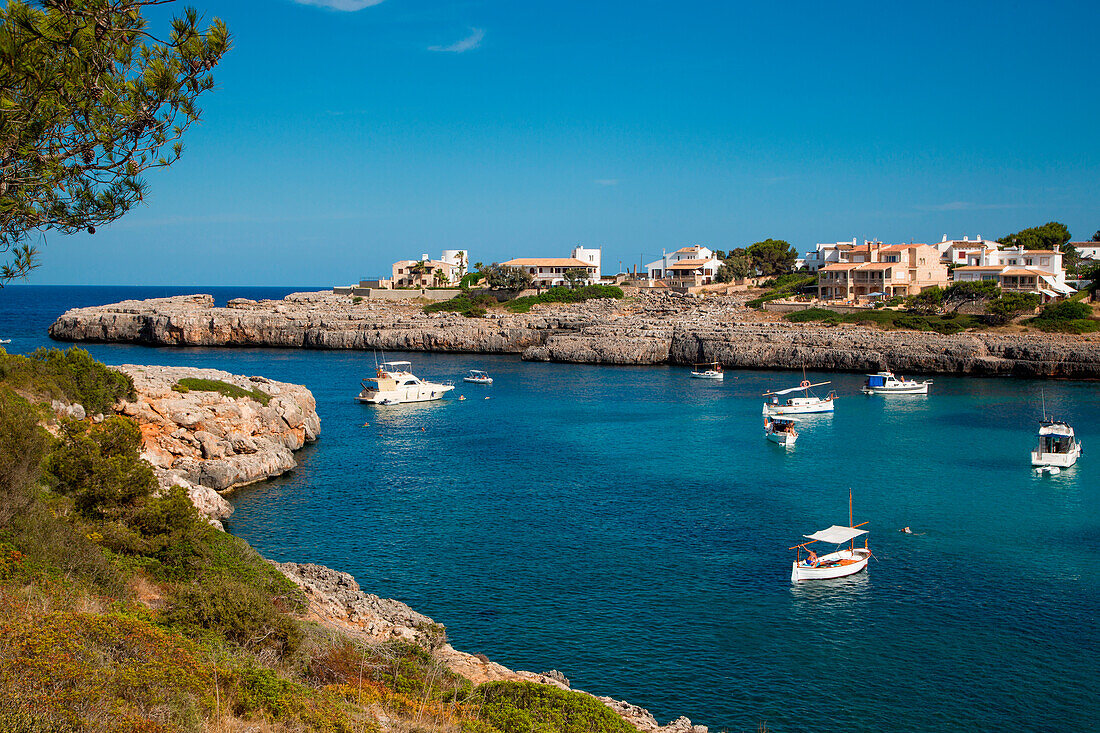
x=439, y=276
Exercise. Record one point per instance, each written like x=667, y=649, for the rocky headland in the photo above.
x=208, y=442
x=645, y=328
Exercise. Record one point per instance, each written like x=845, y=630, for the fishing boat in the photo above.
x=476, y=376
x=780, y=430
x=808, y=403
x=837, y=564
x=887, y=383
x=394, y=384
x=710, y=370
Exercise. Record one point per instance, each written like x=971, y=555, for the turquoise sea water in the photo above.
x=630, y=526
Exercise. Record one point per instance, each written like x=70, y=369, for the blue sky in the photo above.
x=343, y=135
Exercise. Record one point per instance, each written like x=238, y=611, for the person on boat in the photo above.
x=811, y=559
x=906, y=530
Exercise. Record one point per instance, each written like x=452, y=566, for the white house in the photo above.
x=956, y=251
x=550, y=271
x=697, y=264
x=826, y=253
x=1087, y=250
x=426, y=272
x=1024, y=270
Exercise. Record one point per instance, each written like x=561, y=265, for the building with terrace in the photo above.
x=547, y=272
x=1017, y=269
x=687, y=266
x=874, y=270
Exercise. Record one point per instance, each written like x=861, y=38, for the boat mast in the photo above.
x=850, y=520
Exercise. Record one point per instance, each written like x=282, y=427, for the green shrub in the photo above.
x=471, y=305
x=812, y=314
x=235, y=611
x=1065, y=310
x=526, y=707
x=100, y=467
x=71, y=375
x=189, y=384
x=781, y=287
x=564, y=295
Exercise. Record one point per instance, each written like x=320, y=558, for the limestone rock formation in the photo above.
x=208, y=442
x=337, y=601
x=647, y=328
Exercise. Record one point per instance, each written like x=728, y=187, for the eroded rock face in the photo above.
x=337, y=601
x=647, y=328
x=207, y=442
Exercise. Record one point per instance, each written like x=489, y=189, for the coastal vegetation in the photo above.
x=782, y=286
x=1051, y=235
x=889, y=319
x=124, y=609
x=192, y=384
x=71, y=376
x=1068, y=316
x=91, y=99
x=476, y=305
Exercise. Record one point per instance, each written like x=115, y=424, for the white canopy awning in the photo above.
x=799, y=388
x=1048, y=293
x=835, y=535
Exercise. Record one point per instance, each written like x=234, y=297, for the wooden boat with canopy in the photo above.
x=710, y=370
x=807, y=404
x=841, y=562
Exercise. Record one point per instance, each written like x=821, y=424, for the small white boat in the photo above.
x=887, y=383
x=475, y=376
x=837, y=564
x=4, y=341
x=808, y=403
x=394, y=384
x=780, y=430
x=1058, y=447
x=710, y=370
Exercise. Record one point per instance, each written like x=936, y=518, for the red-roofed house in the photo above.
x=875, y=270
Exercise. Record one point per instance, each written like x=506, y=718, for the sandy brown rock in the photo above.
x=648, y=328
x=207, y=442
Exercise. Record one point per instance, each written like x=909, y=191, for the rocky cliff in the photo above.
x=335, y=600
x=648, y=328
x=208, y=442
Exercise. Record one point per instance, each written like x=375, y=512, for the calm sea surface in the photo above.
x=630, y=526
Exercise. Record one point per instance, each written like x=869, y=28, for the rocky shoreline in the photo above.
x=643, y=329
x=207, y=442
x=210, y=443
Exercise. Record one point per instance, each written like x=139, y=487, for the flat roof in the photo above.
x=547, y=262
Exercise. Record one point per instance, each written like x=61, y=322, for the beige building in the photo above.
x=547, y=272
x=877, y=270
x=427, y=273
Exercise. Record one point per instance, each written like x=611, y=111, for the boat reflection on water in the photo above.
x=836, y=595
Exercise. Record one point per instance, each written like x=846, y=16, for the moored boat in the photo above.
x=886, y=382
x=780, y=430
x=394, y=384
x=710, y=370
x=1058, y=446
x=837, y=564
x=476, y=376
x=808, y=403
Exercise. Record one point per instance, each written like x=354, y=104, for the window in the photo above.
x=1044, y=261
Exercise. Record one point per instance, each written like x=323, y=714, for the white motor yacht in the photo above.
x=1057, y=448
x=887, y=383
x=395, y=384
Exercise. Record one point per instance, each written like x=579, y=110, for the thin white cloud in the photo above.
x=469, y=43
x=349, y=6
x=606, y=181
